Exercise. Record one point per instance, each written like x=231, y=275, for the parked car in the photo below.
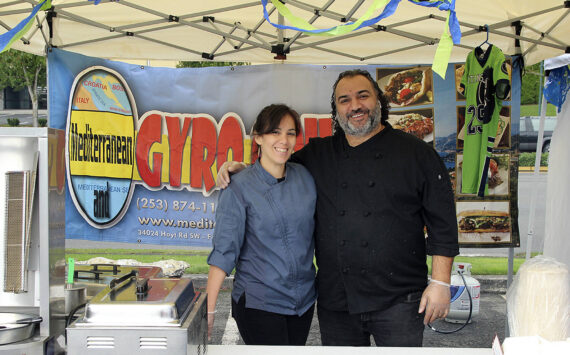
x=529, y=133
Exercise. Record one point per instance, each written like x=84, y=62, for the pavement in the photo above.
x=25, y=116
x=491, y=319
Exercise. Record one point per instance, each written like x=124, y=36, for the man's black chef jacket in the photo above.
x=373, y=201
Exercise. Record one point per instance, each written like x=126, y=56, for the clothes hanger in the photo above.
x=484, y=28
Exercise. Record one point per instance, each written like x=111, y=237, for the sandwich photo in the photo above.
x=482, y=221
x=407, y=87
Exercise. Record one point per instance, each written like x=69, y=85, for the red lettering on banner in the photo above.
x=202, y=153
x=210, y=143
x=231, y=137
x=325, y=127
x=150, y=132
x=176, y=141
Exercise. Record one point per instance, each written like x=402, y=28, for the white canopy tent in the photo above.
x=235, y=30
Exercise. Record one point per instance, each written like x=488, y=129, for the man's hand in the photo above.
x=435, y=302
x=227, y=168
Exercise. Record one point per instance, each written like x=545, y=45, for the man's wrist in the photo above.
x=442, y=283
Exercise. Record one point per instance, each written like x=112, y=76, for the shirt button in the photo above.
x=364, y=243
x=363, y=271
x=344, y=185
x=345, y=269
x=342, y=212
x=378, y=156
x=342, y=243
x=366, y=213
x=371, y=183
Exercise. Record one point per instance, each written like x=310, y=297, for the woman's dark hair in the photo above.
x=270, y=118
x=384, y=105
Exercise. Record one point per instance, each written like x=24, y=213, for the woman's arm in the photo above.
x=216, y=277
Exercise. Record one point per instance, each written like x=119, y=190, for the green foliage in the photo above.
x=23, y=70
x=13, y=122
x=20, y=69
x=530, y=86
x=527, y=159
x=198, y=264
x=42, y=122
x=486, y=265
x=208, y=64
x=534, y=110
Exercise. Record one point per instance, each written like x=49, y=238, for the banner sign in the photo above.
x=144, y=144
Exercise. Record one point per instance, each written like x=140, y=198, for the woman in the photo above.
x=264, y=228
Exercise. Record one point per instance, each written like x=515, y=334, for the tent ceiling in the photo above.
x=235, y=30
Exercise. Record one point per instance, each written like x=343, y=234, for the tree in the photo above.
x=20, y=70
x=208, y=64
x=530, y=86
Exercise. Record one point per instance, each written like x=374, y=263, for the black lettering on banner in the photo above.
x=101, y=204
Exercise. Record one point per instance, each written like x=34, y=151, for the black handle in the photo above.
x=115, y=267
x=131, y=274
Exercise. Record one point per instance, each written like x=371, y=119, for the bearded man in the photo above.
x=377, y=188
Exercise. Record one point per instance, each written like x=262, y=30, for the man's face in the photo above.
x=358, y=109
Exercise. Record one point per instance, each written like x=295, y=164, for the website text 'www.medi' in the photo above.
x=203, y=223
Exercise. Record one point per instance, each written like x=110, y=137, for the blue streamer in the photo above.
x=389, y=9
x=6, y=38
x=446, y=5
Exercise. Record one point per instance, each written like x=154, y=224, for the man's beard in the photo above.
x=374, y=119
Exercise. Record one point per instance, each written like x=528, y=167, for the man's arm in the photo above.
x=227, y=168
x=435, y=299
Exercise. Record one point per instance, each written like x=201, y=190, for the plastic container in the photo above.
x=459, y=303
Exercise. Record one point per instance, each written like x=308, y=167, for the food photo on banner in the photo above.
x=143, y=144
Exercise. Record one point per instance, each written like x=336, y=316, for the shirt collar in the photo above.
x=264, y=175
x=344, y=147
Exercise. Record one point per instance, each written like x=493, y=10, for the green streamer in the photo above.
x=336, y=31
x=443, y=51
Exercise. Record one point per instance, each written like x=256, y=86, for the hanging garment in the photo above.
x=485, y=84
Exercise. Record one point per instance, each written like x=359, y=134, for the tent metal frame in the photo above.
x=241, y=38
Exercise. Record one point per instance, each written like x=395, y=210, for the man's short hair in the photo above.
x=384, y=105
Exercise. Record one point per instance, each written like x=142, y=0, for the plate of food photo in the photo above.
x=408, y=87
x=414, y=123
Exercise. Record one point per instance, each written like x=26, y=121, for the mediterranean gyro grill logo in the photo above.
x=100, y=146
x=109, y=149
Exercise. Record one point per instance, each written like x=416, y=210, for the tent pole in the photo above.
x=311, y=21
x=281, y=21
x=535, y=178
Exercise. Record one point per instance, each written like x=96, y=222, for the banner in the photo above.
x=143, y=144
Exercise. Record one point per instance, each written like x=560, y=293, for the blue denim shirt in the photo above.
x=264, y=228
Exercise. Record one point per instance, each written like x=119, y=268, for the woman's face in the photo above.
x=277, y=145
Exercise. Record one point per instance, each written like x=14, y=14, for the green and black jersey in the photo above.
x=484, y=70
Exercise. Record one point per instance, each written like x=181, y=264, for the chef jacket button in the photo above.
x=344, y=185
x=342, y=212
x=342, y=243
x=366, y=213
x=364, y=243
x=363, y=271
x=371, y=183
